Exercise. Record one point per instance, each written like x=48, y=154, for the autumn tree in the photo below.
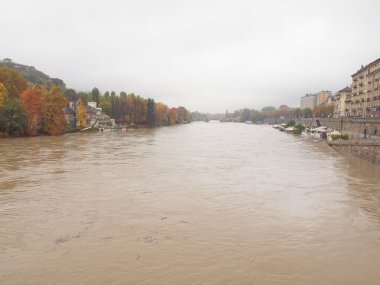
x=52, y=104
x=13, y=82
x=3, y=94
x=31, y=101
x=323, y=110
x=161, y=112
x=172, y=116
x=82, y=114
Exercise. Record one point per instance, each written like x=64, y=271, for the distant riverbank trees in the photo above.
x=256, y=116
x=283, y=112
x=28, y=109
x=132, y=109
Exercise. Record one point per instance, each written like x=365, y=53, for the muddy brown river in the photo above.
x=205, y=203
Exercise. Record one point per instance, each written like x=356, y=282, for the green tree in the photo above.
x=256, y=116
x=13, y=119
x=95, y=94
x=245, y=116
x=307, y=112
x=268, y=109
x=151, y=116
x=105, y=104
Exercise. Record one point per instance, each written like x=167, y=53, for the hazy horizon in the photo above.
x=209, y=56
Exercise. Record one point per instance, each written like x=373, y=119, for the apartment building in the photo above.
x=323, y=97
x=308, y=101
x=313, y=100
x=365, y=98
x=339, y=101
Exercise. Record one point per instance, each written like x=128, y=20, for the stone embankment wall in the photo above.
x=355, y=127
x=368, y=150
x=364, y=134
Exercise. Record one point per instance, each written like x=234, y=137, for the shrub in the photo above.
x=298, y=129
x=291, y=123
x=335, y=137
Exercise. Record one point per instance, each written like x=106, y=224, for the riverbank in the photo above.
x=361, y=135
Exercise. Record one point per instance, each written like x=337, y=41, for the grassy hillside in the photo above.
x=32, y=75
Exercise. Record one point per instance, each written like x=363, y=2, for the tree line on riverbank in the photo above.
x=132, y=109
x=269, y=112
x=28, y=109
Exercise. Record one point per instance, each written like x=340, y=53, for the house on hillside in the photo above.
x=69, y=114
x=98, y=119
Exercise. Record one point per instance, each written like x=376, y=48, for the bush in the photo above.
x=298, y=129
x=339, y=137
x=291, y=123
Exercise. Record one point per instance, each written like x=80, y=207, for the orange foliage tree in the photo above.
x=172, y=116
x=52, y=104
x=13, y=82
x=31, y=101
x=323, y=110
x=82, y=114
x=3, y=94
x=161, y=113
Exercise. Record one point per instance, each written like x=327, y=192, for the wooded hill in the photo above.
x=32, y=75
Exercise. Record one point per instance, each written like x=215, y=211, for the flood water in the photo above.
x=205, y=203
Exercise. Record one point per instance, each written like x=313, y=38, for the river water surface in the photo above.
x=205, y=203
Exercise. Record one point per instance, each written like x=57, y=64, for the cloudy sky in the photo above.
x=207, y=55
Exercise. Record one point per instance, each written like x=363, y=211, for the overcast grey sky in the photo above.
x=206, y=55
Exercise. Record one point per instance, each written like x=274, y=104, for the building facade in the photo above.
x=365, y=98
x=308, y=101
x=339, y=101
x=323, y=97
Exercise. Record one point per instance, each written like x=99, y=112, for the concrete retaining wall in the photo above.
x=364, y=149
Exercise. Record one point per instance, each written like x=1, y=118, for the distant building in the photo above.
x=313, y=100
x=365, y=98
x=309, y=101
x=323, y=97
x=98, y=119
x=94, y=105
x=284, y=108
x=95, y=117
x=339, y=101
